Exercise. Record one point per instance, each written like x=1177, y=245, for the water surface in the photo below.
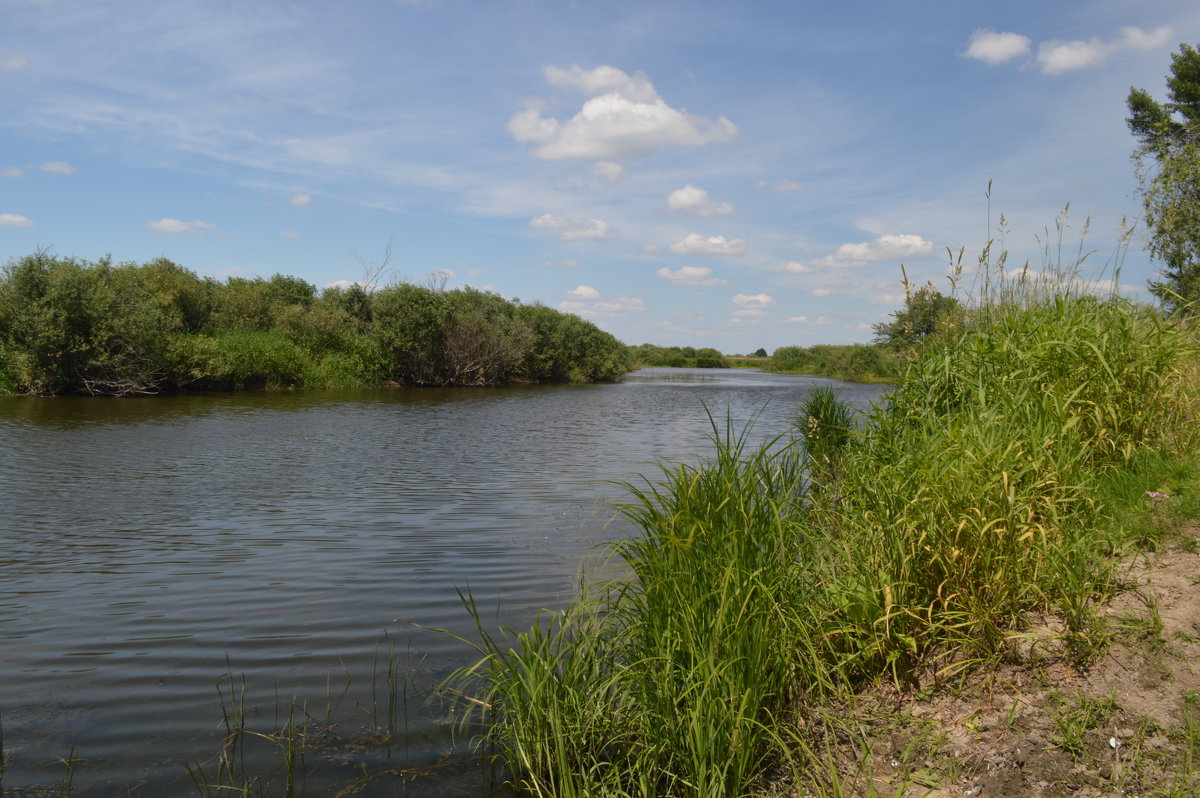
x=154, y=550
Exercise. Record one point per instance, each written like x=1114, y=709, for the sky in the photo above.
x=732, y=175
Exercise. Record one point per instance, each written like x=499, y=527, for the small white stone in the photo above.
x=1114, y=743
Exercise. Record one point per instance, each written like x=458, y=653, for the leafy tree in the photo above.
x=760, y=352
x=1168, y=166
x=925, y=311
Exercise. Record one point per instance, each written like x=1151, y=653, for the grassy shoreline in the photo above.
x=772, y=588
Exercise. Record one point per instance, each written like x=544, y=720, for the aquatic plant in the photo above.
x=984, y=489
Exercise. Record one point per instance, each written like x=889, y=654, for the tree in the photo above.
x=1168, y=166
x=925, y=311
x=760, y=352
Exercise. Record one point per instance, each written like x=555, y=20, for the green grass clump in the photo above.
x=992, y=484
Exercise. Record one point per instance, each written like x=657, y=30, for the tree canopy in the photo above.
x=1168, y=166
x=925, y=310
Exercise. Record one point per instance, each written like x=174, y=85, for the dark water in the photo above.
x=302, y=547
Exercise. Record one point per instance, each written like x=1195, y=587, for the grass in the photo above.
x=992, y=485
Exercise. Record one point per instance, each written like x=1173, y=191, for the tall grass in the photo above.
x=976, y=495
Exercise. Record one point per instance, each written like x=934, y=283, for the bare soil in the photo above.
x=1127, y=724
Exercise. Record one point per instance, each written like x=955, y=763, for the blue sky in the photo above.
x=732, y=175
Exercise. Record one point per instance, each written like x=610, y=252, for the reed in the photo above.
x=989, y=486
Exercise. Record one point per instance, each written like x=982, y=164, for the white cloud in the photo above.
x=301, y=200
x=11, y=171
x=581, y=295
x=690, y=275
x=58, y=168
x=13, y=63
x=780, y=185
x=583, y=292
x=886, y=247
x=602, y=80
x=168, y=225
x=1057, y=57
x=749, y=313
x=624, y=118
x=622, y=304
x=650, y=249
x=476, y=272
x=608, y=171
x=14, y=220
x=592, y=229
x=996, y=48
x=753, y=301
x=696, y=244
x=822, y=291
x=819, y=320
x=695, y=200
x=565, y=263
x=290, y=234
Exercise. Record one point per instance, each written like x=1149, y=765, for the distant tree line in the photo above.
x=73, y=326
x=926, y=314
x=678, y=357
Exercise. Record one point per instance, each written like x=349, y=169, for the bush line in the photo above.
x=72, y=326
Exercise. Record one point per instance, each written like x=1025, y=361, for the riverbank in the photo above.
x=1038, y=722
x=773, y=590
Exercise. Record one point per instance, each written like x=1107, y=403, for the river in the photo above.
x=176, y=564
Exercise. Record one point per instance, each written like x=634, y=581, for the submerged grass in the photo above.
x=993, y=484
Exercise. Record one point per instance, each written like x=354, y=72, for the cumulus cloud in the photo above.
x=15, y=220
x=819, y=320
x=583, y=292
x=822, y=291
x=886, y=247
x=780, y=185
x=582, y=295
x=594, y=229
x=624, y=118
x=58, y=168
x=608, y=171
x=1057, y=57
x=753, y=301
x=11, y=171
x=300, y=200
x=996, y=48
x=690, y=275
x=175, y=226
x=621, y=304
x=695, y=200
x=603, y=79
x=13, y=63
x=696, y=244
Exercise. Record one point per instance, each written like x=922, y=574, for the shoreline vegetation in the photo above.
x=69, y=326
x=789, y=614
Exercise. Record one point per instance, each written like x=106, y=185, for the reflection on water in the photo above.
x=152, y=546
